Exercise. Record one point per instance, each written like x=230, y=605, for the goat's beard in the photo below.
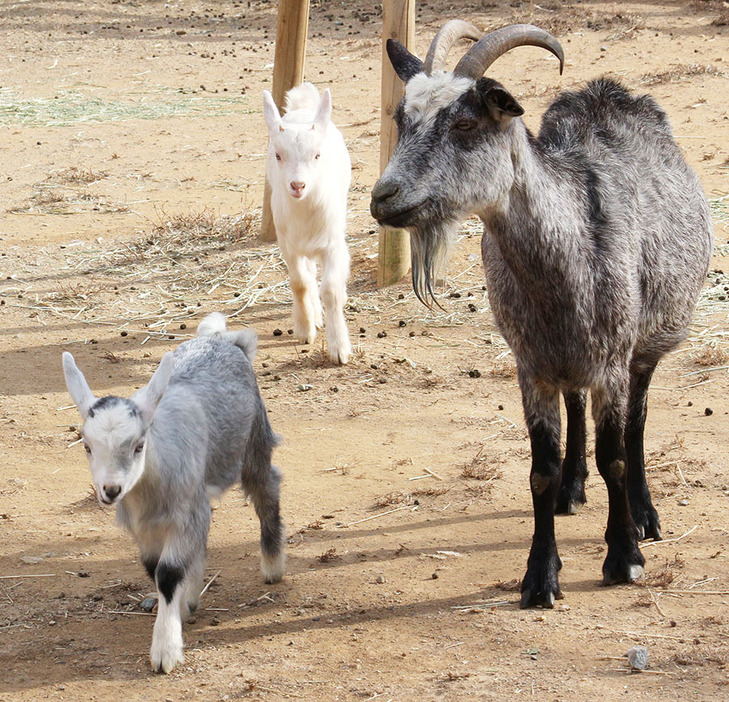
x=429, y=246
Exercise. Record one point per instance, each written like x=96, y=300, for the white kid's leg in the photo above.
x=166, y=651
x=302, y=283
x=335, y=272
x=314, y=295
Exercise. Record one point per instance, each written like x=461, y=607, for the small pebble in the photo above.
x=683, y=503
x=148, y=604
x=380, y=579
x=638, y=657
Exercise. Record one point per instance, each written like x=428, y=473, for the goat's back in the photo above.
x=645, y=208
x=212, y=410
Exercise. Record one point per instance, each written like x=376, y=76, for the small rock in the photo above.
x=148, y=604
x=380, y=579
x=683, y=503
x=638, y=657
x=304, y=387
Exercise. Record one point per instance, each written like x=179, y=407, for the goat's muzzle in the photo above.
x=389, y=209
x=109, y=493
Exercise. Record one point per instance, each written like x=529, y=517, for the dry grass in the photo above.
x=665, y=576
x=682, y=73
x=709, y=354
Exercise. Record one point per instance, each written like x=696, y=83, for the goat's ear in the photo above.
x=501, y=104
x=406, y=65
x=77, y=386
x=324, y=111
x=148, y=397
x=271, y=113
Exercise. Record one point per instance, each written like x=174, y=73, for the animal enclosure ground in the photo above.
x=133, y=146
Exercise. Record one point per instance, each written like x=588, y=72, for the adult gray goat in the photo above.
x=597, y=238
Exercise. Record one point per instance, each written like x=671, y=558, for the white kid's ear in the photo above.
x=148, y=397
x=77, y=386
x=271, y=113
x=324, y=111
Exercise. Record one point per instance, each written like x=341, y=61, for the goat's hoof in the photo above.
x=165, y=661
x=531, y=598
x=570, y=500
x=165, y=655
x=540, y=586
x=569, y=505
x=649, y=528
x=273, y=567
x=623, y=567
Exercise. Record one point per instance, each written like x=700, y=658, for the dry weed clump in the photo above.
x=504, y=366
x=681, y=73
x=665, y=576
x=710, y=354
x=478, y=469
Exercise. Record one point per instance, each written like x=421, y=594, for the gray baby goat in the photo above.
x=197, y=428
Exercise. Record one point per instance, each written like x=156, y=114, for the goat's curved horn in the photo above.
x=444, y=40
x=487, y=49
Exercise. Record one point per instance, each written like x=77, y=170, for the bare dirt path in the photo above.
x=133, y=156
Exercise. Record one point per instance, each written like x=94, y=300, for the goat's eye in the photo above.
x=278, y=157
x=138, y=448
x=317, y=156
x=87, y=448
x=464, y=125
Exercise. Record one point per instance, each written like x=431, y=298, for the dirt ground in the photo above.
x=133, y=148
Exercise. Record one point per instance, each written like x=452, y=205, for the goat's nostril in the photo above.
x=384, y=190
x=297, y=185
x=112, y=491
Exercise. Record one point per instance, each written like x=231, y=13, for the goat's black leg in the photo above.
x=641, y=505
x=571, y=495
x=624, y=561
x=540, y=585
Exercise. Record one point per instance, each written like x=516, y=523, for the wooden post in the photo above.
x=398, y=22
x=288, y=71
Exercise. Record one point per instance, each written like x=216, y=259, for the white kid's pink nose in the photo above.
x=297, y=188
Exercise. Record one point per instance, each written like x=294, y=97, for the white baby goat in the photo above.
x=309, y=171
x=197, y=428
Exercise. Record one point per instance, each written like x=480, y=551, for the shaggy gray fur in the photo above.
x=597, y=238
x=199, y=427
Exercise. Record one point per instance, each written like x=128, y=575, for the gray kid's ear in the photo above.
x=324, y=111
x=271, y=113
x=77, y=386
x=148, y=397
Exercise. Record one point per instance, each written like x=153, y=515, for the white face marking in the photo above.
x=425, y=96
x=297, y=149
x=114, y=442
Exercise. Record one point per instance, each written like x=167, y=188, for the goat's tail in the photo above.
x=245, y=339
x=304, y=96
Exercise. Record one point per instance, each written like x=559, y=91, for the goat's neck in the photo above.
x=535, y=224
